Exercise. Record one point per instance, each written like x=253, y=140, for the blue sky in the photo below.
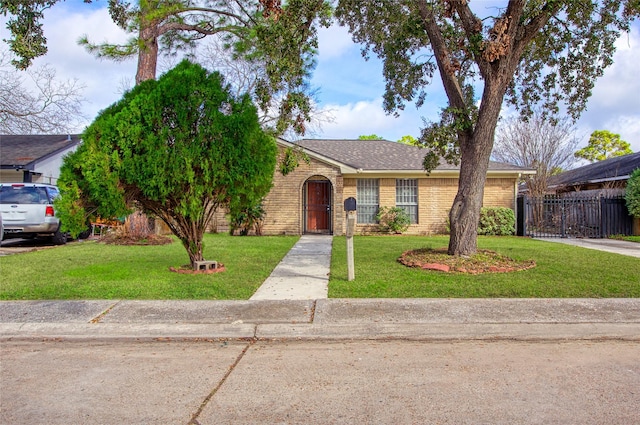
x=350, y=88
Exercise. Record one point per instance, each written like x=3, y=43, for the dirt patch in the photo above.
x=115, y=239
x=484, y=261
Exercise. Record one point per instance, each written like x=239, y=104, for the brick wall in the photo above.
x=500, y=193
x=435, y=196
x=283, y=204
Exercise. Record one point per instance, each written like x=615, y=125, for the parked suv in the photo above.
x=27, y=211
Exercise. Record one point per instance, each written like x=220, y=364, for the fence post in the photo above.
x=563, y=217
x=603, y=213
x=521, y=222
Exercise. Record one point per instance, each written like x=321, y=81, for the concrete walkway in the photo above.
x=303, y=274
x=615, y=246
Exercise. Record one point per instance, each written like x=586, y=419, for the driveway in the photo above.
x=608, y=245
x=17, y=246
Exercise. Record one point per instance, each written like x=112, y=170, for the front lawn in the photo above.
x=90, y=270
x=561, y=271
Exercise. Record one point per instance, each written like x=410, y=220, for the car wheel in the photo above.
x=85, y=234
x=59, y=238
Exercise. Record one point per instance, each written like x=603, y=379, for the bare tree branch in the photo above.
x=34, y=101
x=539, y=144
x=243, y=76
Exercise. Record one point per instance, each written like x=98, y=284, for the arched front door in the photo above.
x=317, y=206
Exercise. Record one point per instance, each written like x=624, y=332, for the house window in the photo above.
x=407, y=197
x=368, y=197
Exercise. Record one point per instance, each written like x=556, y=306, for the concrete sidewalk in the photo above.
x=303, y=274
x=325, y=319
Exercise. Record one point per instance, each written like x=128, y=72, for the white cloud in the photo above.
x=627, y=126
x=615, y=102
x=368, y=117
x=334, y=42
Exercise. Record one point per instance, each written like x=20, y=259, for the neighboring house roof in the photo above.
x=384, y=156
x=23, y=151
x=612, y=169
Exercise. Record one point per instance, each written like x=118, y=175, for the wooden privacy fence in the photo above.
x=557, y=216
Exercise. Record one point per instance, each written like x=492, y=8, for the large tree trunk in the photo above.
x=148, y=54
x=189, y=231
x=465, y=211
x=194, y=247
x=475, y=149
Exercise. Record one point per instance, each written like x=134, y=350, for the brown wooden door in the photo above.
x=318, y=206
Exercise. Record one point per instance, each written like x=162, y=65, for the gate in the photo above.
x=556, y=216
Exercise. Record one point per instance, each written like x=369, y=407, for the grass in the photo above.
x=628, y=238
x=562, y=271
x=89, y=270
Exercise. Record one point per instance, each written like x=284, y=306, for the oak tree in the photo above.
x=527, y=52
x=180, y=148
x=408, y=140
x=603, y=144
x=370, y=137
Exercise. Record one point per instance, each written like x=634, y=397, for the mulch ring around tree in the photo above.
x=187, y=269
x=484, y=261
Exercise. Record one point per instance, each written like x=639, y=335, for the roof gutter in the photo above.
x=604, y=180
x=436, y=173
x=610, y=179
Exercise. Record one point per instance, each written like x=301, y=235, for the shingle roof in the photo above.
x=382, y=155
x=22, y=150
x=610, y=169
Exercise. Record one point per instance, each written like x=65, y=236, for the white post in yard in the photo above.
x=350, y=209
x=351, y=224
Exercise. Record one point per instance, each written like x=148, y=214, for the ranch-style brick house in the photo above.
x=377, y=173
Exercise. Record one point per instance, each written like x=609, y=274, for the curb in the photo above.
x=445, y=332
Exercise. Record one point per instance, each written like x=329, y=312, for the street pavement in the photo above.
x=326, y=361
x=320, y=361
x=207, y=382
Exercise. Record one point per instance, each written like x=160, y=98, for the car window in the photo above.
x=53, y=194
x=23, y=195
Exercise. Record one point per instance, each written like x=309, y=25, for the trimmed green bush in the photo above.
x=247, y=218
x=497, y=221
x=393, y=220
x=632, y=194
x=179, y=147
